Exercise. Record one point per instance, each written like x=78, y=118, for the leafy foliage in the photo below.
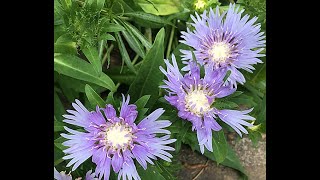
x=149, y=76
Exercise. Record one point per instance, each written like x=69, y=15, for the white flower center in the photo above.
x=219, y=52
x=118, y=135
x=197, y=102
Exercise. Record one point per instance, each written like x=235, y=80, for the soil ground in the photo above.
x=198, y=167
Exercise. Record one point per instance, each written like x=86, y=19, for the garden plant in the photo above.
x=136, y=79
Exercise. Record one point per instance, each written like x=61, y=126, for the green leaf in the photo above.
x=151, y=172
x=69, y=93
x=124, y=53
x=141, y=114
x=182, y=16
x=149, y=75
x=76, y=84
x=100, y=4
x=93, y=56
x=178, y=54
x=107, y=37
x=138, y=34
x=148, y=24
x=120, y=6
x=227, y=75
x=160, y=7
x=58, y=108
x=79, y=69
x=224, y=104
x=244, y=99
x=66, y=3
x=219, y=145
x=178, y=145
x=110, y=99
x=235, y=94
x=58, y=154
x=64, y=44
x=164, y=171
x=261, y=118
x=58, y=125
x=58, y=143
x=59, y=30
x=110, y=27
x=255, y=137
x=259, y=73
x=133, y=42
x=254, y=90
x=126, y=76
x=141, y=102
x=181, y=135
x=93, y=97
x=149, y=17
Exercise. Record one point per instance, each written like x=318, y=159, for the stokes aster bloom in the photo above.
x=116, y=141
x=194, y=98
x=63, y=176
x=225, y=41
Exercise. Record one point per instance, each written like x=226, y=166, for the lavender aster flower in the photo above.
x=194, y=98
x=225, y=41
x=114, y=141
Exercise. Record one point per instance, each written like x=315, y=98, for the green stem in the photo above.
x=138, y=63
x=170, y=42
x=107, y=54
x=175, y=43
x=101, y=48
x=117, y=85
x=135, y=59
x=125, y=18
x=148, y=34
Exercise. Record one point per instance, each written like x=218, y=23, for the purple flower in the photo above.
x=225, y=41
x=194, y=98
x=114, y=141
x=63, y=176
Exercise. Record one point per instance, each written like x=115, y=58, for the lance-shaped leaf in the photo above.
x=79, y=69
x=93, y=97
x=93, y=56
x=148, y=17
x=124, y=53
x=149, y=75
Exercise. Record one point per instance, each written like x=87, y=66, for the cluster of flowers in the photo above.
x=220, y=45
x=221, y=42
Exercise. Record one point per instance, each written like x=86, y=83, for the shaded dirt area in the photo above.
x=196, y=166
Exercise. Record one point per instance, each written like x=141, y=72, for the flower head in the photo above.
x=194, y=98
x=225, y=41
x=114, y=141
